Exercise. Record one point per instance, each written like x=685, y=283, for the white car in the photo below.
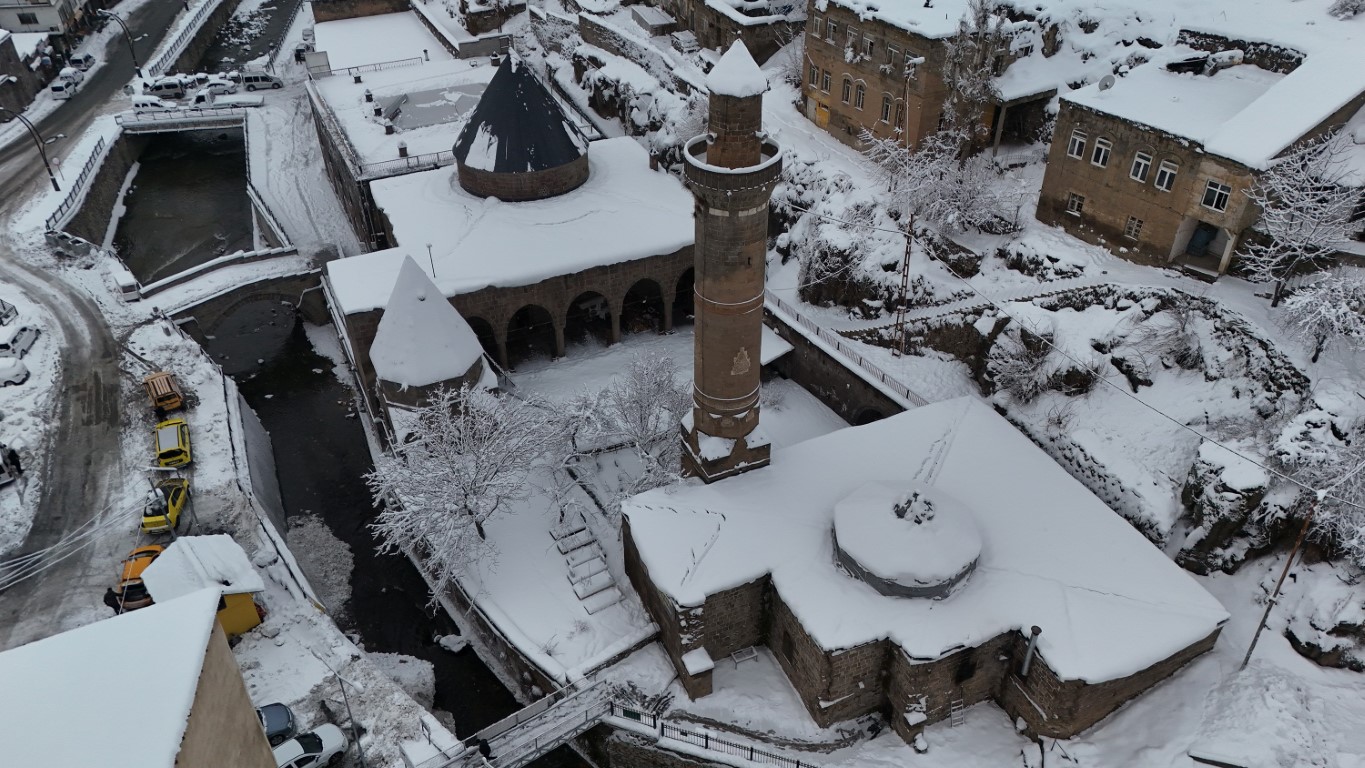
x=321, y=746
x=16, y=340
x=219, y=86
x=12, y=371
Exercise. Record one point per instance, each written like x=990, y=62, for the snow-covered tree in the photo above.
x=1345, y=9
x=469, y=460
x=935, y=183
x=1328, y=310
x=968, y=65
x=1305, y=211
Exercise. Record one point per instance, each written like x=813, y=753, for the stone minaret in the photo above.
x=731, y=170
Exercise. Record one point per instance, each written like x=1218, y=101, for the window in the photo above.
x=900, y=114
x=886, y=108
x=868, y=47
x=824, y=80
x=1075, y=146
x=1100, y=156
x=1074, y=204
x=28, y=18
x=1025, y=50
x=859, y=96
x=1165, y=175
x=1133, y=229
x=1216, y=195
x=847, y=92
x=831, y=31
x=814, y=75
x=852, y=39
x=1142, y=165
x=816, y=23
x=893, y=56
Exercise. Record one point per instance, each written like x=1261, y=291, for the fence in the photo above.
x=271, y=220
x=704, y=739
x=172, y=52
x=406, y=164
x=363, y=68
x=844, y=348
x=182, y=120
x=288, y=25
x=77, y=189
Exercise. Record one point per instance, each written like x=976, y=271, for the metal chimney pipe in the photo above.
x=402, y=149
x=1032, y=645
x=368, y=96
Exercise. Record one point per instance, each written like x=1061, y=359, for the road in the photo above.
x=83, y=449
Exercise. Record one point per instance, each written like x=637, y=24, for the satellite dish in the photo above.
x=1106, y=82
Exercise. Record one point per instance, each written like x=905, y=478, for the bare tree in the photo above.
x=1328, y=310
x=1305, y=211
x=969, y=71
x=936, y=183
x=470, y=459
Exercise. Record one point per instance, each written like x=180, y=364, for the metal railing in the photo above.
x=288, y=25
x=845, y=348
x=172, y=52
x=363, y=68
x=182, y=120
x=333, y=128
x=405, y=164
x=756, y=753
x=77, y=189
x=271, y=220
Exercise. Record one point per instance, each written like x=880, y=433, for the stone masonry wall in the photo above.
x=518, y=187
x=830, y=380
x=331, y=10
x=627, y=750
x=678, y=627
x=834, y=686
x=92, y=217
x=736, y=618
x=971, y=675
x=188, y=61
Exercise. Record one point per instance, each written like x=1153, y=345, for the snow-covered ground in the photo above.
x=26, y=412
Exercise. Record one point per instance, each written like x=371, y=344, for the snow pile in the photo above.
x=71, y=699
x=192, y=563
x=1258, y=718
x=417, y=677
x=1325, y=615
x=736, y=74
x=922, y=540
x=1109, y=603
x=422, y=339
x=326, y=559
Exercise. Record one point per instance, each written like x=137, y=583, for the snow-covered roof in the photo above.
x=1189, y=105
x=421, y=338
x=376, y=39
x=192, y=563
x=116, y=693
x=624, y=211
x=736, y=74
x=1353, y=166
x=517, y=126
x=436, y=99
x=1052, y=554
x=772, y=346
x=26, y=43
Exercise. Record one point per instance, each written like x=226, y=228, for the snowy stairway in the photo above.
x=587, y=564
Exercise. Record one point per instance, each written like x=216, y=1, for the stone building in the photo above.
x=883, y=71
x=1155, y=164
x=764, y=26
x=16, y=94
x=731, y=170
x=886, y=576
x=84, y=698
x=598, y=245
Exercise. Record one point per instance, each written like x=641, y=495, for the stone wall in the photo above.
x=353, y=193
x=18, y=95
x=188, y=60
x=828, y=683
x=201, y=320
x=92, y=217
x=527, y=185
x=971, y=675
x=736, y=618
x=331, y=10
x=678, y=627
x=598, y=32
x=628, y=750
x=845, y=392
x=222, y=728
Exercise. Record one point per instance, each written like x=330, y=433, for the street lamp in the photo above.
x=37, y=140
x=127, y=35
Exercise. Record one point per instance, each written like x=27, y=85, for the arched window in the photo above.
x=886, y=108
x=859, y=96
x=847, y=91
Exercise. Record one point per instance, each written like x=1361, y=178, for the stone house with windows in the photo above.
x=882, y=71
x=1155, y=164
x=763, y=25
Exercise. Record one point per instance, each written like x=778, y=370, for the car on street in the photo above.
x=145, y=104
x=164, y=505
x=171, y=443
x=220, y=86
x=83, y=61
x=17, y=340
x=130, y=593
x=277, y=720
x=323, y=745
x=12, y=371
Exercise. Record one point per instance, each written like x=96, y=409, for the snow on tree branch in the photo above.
x=968, y=71
x=470, y=460
x=1329, y=310
x=1305, y=211
x=936, y=184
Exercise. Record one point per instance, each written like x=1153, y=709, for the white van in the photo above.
x=253, y=81
x=143, y=104
x=71, y=75
x=165, y=88
x=63, y=89
x=83, y=61
x=16, y=340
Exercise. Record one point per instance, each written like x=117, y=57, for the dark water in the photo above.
x=244, y=39
x=321, y=455
x=187, y=205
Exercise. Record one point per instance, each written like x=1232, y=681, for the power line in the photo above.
x=1323, y=493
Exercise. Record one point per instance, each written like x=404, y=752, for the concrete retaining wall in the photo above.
x=188, y=61
x=831, y=380
x=92, y=217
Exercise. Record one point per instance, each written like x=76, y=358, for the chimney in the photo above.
x=357, y=77
x=378, y=111
x=368, y=96
x=1032, y=646
x=402, y=149
x=388, y=129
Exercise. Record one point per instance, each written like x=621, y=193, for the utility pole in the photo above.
x=905, y=289
x=355, y=726
x=1274, y=596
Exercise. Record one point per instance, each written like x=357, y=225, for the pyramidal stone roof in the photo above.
x=517, y=126
x=421, y=339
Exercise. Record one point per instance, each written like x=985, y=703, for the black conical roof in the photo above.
x=517, y=126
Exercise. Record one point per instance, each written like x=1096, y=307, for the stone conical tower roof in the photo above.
x=421, y=339
x=517, y=126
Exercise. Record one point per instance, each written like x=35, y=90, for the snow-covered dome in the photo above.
x=518, y=144
x=906, y=543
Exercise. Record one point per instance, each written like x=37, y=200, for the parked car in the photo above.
x=277, y=720
x=17, y=340
x=171, y=443
x=64, y=89
x=168, y=87
x=161, y=511
x=83, y=61
x=12, y=371
x=144, y=104
x=163, y=390
x=219, y=86
x=253, y=81
x=321, y=746
x=130, y=593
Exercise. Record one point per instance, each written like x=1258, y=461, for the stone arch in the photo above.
x=221, y=315
x=684, y=305
x=590, y=315
x=867, y=416
x=488, y=338
x=642, y=308
x=533, y=331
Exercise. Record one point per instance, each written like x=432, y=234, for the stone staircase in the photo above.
x=592, y=582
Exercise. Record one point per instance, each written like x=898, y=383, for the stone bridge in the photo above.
x=302, y=291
